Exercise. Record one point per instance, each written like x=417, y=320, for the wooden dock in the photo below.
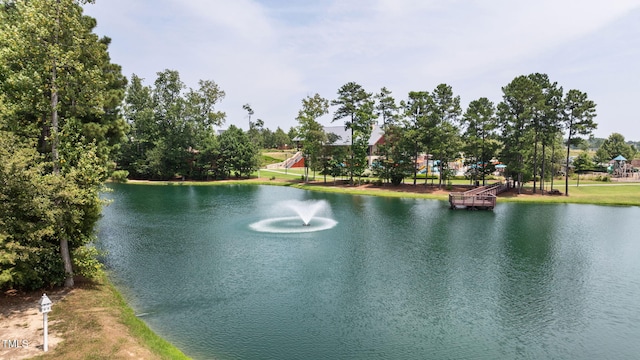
x=483, y=197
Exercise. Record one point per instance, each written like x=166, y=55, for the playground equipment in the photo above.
x=620, y=167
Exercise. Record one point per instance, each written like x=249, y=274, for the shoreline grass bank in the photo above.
x=94, y=321
x=593, y=193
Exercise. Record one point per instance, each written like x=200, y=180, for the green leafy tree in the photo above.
x=328, y=155
x=169, y=155
x=394, y=156
x=479, y=136
x=238, y=155
x=38, y=206
x=281, y=139
x=169, y=126
x=26, y=219
x=444, y=118
x=61, y=93
x=201, y=106
x=578, y=120
x=292, y=133
x=256, y=133
x=396, y=160
x=143, y=132
x=545, y=121
x=268, y=139
x=203, y=164
x=552, y=131
x=614, y=146
x=201, y=118
x=336, y=163
x=515, y=113
x=417, y=130
x=386, y=107
x=311, y=132
x=356, y=106
x=582, y=163
x=556, y=157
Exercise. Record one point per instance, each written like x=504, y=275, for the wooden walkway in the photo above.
x=483, y=197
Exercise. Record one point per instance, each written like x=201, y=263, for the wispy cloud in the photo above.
x=272, y=53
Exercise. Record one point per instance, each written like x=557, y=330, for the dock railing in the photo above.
x=476, y=201
x=483, y=197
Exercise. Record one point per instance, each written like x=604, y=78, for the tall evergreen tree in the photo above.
x=357, y=107
x=480, y=122
x=578, y=120
x=310, y=130
x=386, y=107
x=515, y=113
x=143, y=132
x=545, y=117
x=417, y=129
x=61, y=92
x=444, y=119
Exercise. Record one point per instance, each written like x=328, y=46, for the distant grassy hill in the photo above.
x=273, y=156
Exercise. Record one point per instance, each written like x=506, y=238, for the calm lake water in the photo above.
x=393, y=279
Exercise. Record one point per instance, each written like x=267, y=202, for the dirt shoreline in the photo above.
x=85, y=321
x=21, y=332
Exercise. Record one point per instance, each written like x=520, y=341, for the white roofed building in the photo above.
x=343, y=136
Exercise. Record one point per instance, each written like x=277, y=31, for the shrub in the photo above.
x=396, y=180
x=85, y=262
x=120, y=176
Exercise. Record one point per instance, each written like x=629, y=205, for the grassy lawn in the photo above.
x=587, y=192
x=600, y=194
x=608, y=194
x=282, y=174
x=275, y=156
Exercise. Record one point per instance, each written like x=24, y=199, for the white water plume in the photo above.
x=307, y=219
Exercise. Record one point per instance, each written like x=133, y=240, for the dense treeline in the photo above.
x=525, y=132
x=172, y=133
x=59, y=126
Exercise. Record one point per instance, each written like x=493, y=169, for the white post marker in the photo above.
x=45, y=308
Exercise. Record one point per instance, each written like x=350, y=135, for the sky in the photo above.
x=272, y=54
